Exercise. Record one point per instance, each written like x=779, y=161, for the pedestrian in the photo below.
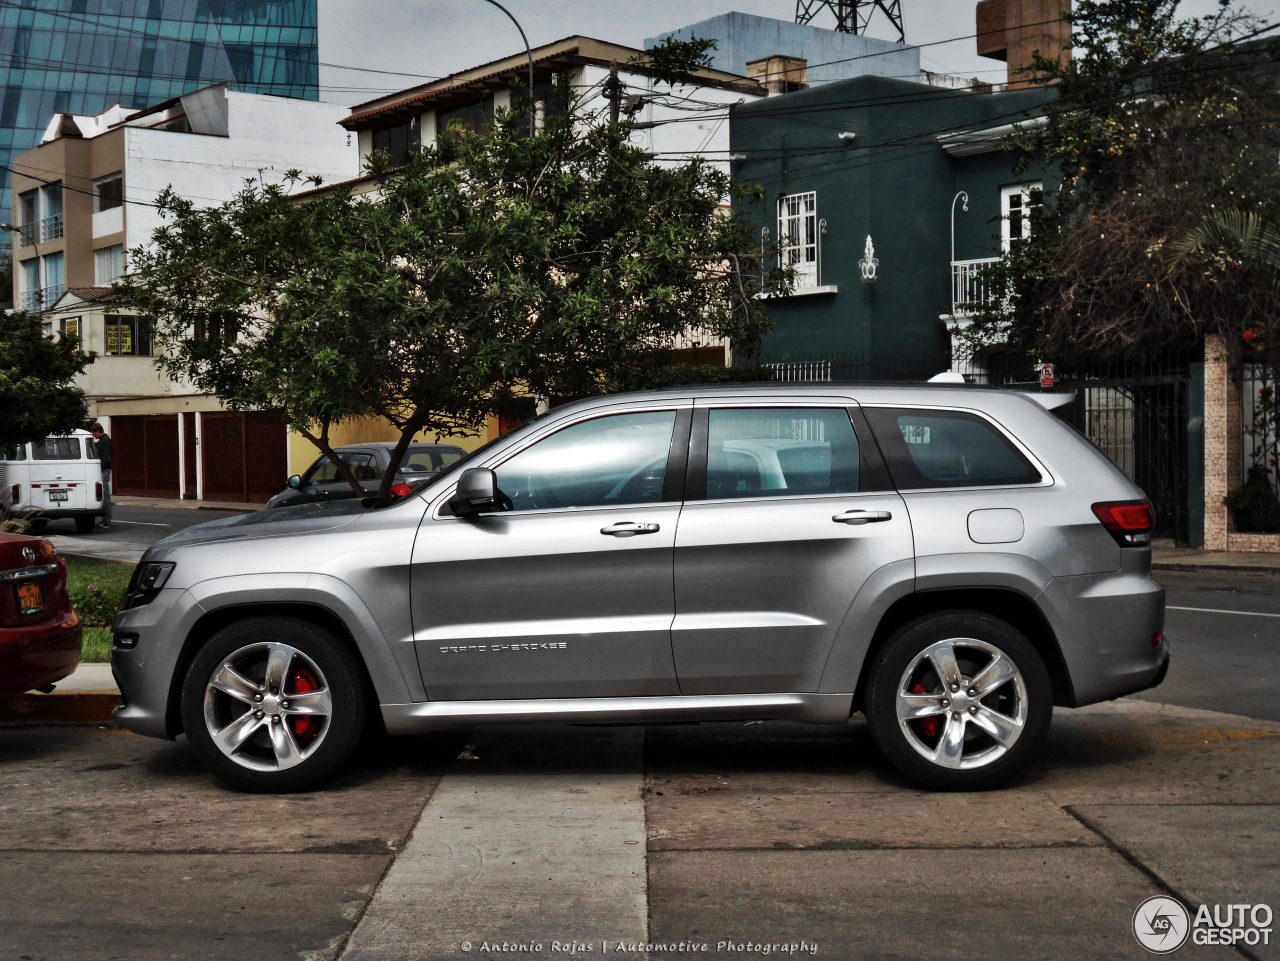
x=105, y=450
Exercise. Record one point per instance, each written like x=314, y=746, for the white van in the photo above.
x=59, y=476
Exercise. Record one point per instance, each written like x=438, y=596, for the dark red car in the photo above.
x=40, y=634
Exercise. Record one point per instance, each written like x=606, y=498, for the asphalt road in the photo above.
x=132, y=527
x=1224, y=632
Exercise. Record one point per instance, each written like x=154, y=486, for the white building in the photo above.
x=86, y=196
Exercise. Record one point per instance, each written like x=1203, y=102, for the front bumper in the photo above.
x=146, y=669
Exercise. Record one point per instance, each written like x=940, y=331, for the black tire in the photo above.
x=276, y=737
x=84, y=524
x=946, y=738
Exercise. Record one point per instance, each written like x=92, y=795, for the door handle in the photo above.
x=629, y=529
x=862, y=517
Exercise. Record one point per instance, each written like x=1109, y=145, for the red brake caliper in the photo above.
x=304, y=726
x=928, y=725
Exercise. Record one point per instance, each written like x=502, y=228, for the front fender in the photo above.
x=391, y=662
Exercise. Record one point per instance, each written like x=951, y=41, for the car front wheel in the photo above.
x=959, y=700
x=273, y=704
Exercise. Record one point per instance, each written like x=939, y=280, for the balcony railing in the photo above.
x=968, y=286
x=51, y=227
x=38, y=231
x=41, y=297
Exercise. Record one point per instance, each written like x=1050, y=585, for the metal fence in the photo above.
x=1260, y=423
x=1258, y=501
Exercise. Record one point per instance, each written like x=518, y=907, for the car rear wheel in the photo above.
x=84, y=524
x=273, y=704
x=959, y=700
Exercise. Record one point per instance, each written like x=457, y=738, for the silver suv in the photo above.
x=951, y=562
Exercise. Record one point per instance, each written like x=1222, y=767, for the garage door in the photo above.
x=145, y=462
x=244, y=457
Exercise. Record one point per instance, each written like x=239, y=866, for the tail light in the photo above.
x=400, y=490
x=17, y=493
x=97, y=490
x=1130, y=522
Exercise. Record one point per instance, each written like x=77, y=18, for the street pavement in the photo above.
x=721, y=840
x=714, y=837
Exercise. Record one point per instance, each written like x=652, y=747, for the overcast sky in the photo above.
x=436, y=37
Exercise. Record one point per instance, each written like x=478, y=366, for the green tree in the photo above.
x=1159, y=123
x=37, y=397
x=492, y=264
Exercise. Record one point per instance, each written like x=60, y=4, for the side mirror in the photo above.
x=477, y=492
x=295, y=481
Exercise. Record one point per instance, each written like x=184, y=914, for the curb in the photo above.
x=1194, y=568
x=78, y=707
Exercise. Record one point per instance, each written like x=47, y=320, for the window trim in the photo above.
x=804, y=280
x=137, y=336
x=103, y=282
x=97, y=191
x=1023, y=190
x=1046, y=477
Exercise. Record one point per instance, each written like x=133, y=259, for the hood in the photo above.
x=280, y=522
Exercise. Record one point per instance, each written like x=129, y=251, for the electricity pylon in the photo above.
x=852, y=15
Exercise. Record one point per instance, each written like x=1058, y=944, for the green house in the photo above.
x=886, y=196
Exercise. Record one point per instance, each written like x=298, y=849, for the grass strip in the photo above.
x=97, y=589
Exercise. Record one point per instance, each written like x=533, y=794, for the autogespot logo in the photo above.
x=1161, y=924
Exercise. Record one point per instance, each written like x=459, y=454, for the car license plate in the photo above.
x=57, y=495
x=30, y=598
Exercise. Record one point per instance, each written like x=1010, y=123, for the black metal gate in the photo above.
x=1138, y=413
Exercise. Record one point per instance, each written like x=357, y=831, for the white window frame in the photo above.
x=1017, y=200
x=798, y=242
x=113, y=257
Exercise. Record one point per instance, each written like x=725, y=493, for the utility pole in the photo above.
x=852, y=15
x=613, y=88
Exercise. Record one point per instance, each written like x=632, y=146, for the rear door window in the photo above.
x=935, y=448
x=780, y=451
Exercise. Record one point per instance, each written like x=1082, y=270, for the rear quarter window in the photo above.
x=933, y=449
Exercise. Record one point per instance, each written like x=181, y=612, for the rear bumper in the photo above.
x=54, y=513
x=1114, y=619
x=31, y=657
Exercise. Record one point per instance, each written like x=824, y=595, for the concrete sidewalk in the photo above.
x=129, y=500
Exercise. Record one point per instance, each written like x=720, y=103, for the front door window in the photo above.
x=605, y=462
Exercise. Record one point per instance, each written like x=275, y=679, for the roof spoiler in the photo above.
x=1049, y=401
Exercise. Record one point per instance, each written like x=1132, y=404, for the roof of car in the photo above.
x=389, y=445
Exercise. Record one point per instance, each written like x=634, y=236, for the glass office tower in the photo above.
x=82, y=56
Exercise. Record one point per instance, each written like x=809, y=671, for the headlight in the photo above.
x=148, y=578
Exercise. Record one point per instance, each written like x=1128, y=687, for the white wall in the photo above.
x=677, y=130
x=267, y=134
